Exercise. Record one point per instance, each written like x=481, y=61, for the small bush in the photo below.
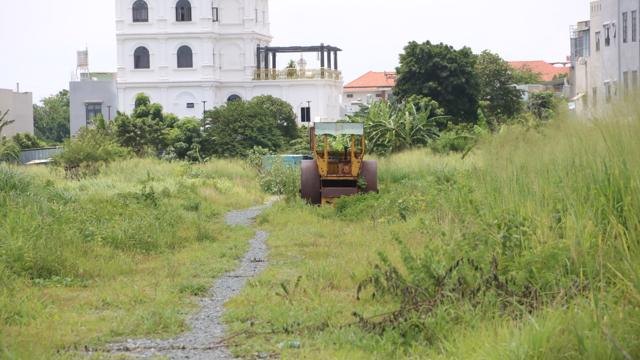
x=27, y=141
x=9, y=151
x=280, y=179
x=88, y=153
x=457, y=138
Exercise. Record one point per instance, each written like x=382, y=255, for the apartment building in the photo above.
x=605, y=54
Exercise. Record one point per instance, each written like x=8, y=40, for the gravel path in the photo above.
x=207, y=328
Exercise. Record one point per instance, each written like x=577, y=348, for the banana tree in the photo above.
x=396, y=127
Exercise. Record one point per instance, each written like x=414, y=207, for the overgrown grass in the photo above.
x=551, y=217
x=112, y=256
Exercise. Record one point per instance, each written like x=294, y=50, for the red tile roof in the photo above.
x=546, y=70
x=373, y=80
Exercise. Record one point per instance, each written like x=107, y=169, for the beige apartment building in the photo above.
x=20, y=106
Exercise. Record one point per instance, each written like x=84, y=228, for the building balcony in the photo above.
x=295, y=74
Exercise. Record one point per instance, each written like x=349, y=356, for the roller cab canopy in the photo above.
x=336, y=129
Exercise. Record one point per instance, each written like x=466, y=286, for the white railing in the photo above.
x=295, y=74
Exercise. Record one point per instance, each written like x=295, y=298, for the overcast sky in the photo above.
x=39, y=38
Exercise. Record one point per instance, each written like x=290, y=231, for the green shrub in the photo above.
x=9, y=151
x=280, y=179
x=86, y=154
x=27, y=141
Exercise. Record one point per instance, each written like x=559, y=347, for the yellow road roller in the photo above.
x=337, y=172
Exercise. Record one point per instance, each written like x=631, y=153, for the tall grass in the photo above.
x=111, y=255
x=552, y=213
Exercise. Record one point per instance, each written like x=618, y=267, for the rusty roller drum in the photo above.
x=369, y=172
x=310, y=182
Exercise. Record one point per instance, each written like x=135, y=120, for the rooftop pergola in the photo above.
x=267, y=57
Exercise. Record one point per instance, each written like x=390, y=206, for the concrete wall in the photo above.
x=20, y=106
x=91, y=91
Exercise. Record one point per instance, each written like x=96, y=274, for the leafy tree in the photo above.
x=393, y=127
x=500, y=98
x=237, y=127
x=542, y=105
x=27, y=141
x=147, y=129
x=282, y=112
x=187, y=140
x=4, y=121
x=526, y=76
x=51, y=120
x=440, y=72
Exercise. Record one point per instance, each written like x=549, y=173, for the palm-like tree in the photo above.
x=396, y=127
x=4, y=122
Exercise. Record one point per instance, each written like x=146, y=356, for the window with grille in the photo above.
x=625, y=27
x=185, y=57
x=634, y=26
x=93, y=110
x=215, y=14
x=141, y=58
x=140, y=11
x=183, y=11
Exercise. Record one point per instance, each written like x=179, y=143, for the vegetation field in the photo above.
x=528, y=248
x=121, y=254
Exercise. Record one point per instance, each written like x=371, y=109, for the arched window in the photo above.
x=183, y=10
x=185, y=57
x=233, y=98
x=141, y=58
x=140, y=11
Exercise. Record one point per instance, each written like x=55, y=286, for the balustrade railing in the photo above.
x=295, y=74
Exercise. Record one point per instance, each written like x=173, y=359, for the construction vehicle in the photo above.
x=334, y=173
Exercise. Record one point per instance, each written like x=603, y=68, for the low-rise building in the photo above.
x=547, y=71
x=366, y=89
x=20, y=107
x=92, y=94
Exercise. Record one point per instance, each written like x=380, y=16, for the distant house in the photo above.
x=553, y=77
x=547, y=71
x=20, y=107
x=366, y=89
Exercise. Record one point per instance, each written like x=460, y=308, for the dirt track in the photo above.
x=207, y=328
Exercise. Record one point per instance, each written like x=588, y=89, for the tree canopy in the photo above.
x=499, y=97
x=239, y=126
x=147, y=129
x=442, y=73
x=51, y=120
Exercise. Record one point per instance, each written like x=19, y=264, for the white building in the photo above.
x=20, y=107
x=194, y=55
x=605, y=53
